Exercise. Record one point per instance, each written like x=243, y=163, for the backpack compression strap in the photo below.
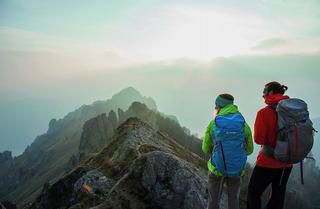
x=301, y=172
x=223, y=157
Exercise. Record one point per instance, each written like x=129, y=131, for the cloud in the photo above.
x=19, y=39
x=289, y=45
x=29, y=69
x=271, y=43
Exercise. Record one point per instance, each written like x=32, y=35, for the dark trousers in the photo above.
x=215, y=189
x=260, y=179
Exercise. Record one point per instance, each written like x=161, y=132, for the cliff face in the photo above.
x=144, y=168
x=6, y=161
x=95, y=134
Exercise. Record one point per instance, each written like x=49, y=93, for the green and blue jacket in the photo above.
x=207, y=143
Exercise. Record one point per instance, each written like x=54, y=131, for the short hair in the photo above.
x=223, y=100
x=227, y=96
x=275, y=87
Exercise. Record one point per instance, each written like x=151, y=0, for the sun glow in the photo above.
x=201, y=34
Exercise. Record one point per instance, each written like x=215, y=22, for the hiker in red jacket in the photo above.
x=267, y=169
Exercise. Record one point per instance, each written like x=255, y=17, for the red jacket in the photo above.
x=265, y=131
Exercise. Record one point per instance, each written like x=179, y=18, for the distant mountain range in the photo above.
x=52, y=154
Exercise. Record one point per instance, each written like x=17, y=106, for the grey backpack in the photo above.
x=295, y=131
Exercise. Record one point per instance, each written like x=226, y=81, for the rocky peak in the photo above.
x=131, y=94
x=112, y=117
x=128, y=90
x=96, y=133
x=53, y=127
x=6, y=162
x=5, y=156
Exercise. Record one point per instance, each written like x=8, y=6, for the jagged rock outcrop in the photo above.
x=112, y=117
x=54, y=127
x=5, y=157
x=97, y=131
x=95, y=135
x=146, y=169
x=6, y=161
x=59, y=194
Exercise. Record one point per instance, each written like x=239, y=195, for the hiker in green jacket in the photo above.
x=228, y=139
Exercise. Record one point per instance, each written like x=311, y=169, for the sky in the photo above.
x=57, y=55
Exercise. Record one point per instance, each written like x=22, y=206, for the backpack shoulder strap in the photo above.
x=273, y=106
x=267, y=149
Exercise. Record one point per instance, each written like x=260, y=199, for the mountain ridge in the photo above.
x=63, y=136
x=146, y=169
